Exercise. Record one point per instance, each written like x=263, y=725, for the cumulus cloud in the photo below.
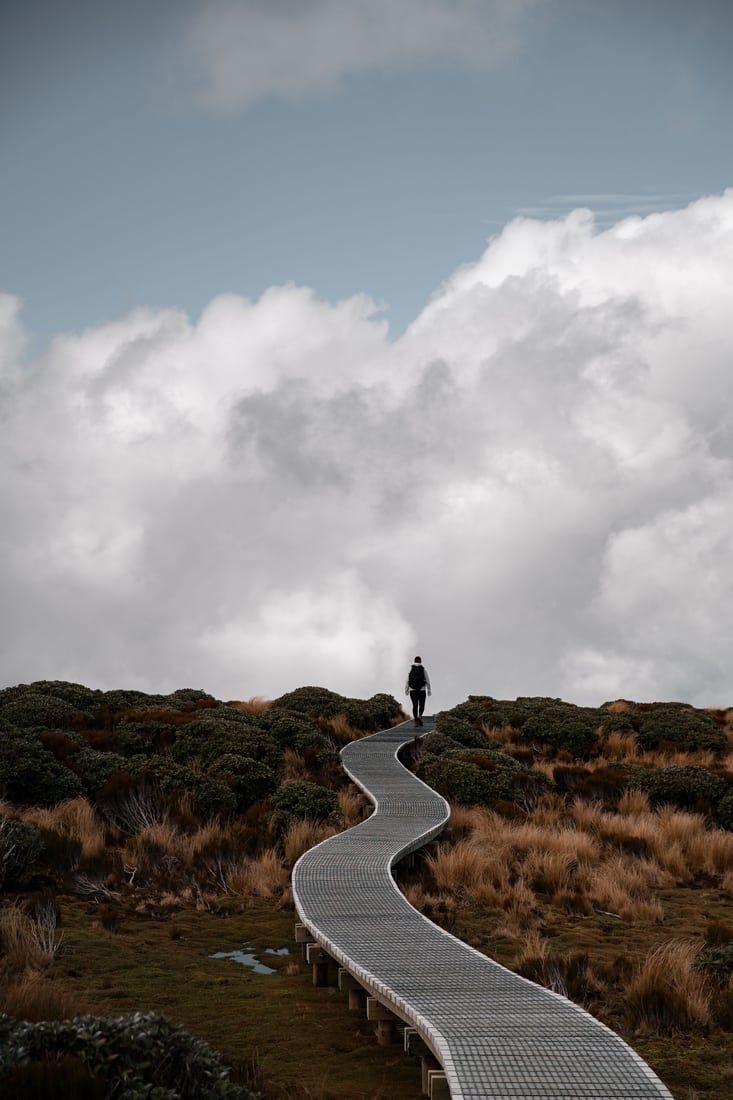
x=533, y=487
x=237, y=52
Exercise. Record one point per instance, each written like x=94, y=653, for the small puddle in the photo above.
x=246, y=956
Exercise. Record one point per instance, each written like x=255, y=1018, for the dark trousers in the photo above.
x=418, y=702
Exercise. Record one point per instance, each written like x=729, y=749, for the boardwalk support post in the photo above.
x=318, y=959
x=303, y=937
x=428, y=1064
x=438, y=1085
x=348, y=984
x=384, y=1018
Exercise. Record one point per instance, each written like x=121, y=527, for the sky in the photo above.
x=337, y=331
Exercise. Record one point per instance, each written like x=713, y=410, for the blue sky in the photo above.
x=124, y=187
x=335, y=331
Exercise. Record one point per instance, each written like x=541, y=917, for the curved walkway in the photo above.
x=497, y=1036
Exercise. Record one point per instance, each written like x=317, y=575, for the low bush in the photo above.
x=95, y=768
x=20, y=846
x=378, y=712
x=303, y=799
x=688, y=787
x=30, y=774
x=251, y=780
x=39, y=709
x=564, y=727
x=460, y=730
x=725, y=810
x=138, y=1056
x=678, y=724
x=479, y=778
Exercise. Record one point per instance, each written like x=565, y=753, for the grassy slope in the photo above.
x=297, y=1042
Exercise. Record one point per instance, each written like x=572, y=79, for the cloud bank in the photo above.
x=238, y=52
x=533, y=487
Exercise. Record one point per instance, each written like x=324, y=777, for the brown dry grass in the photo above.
x=28, y=943
x=339, y=730
x=255, y=705
x=74, y=820
x=33, y=995
x=302, y=835
x=667, y=994
x=293, y=767
x=354, y=806
x=264, y=876
x=578, y=856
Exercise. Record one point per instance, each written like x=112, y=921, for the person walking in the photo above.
x=417, y=686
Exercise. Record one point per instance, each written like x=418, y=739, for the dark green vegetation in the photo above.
x=590, y=849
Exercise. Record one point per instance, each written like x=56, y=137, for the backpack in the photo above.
x=416, y=678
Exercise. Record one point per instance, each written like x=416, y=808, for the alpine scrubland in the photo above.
x=589, y=849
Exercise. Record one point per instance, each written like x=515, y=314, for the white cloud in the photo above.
x=242, y=50
x=532, y=487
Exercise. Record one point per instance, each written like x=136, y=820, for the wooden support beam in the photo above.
x=377, y=1011
x=302, y=934
x=438, y=1085
x=414, y=1043
x=318, y=959
x=385, y=1032
x=428, y=1064
x=347, y=981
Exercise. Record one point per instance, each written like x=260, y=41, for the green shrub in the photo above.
x=31, y=775
x=717, y=959
x=687, y=787
x=480, y=778
x=207, y=742
x=376, y=713
x=121, y=699
x=679, y=724
x=95, y=768
x=458, y=729
x=564, y=727
x=251, y=780
x=140, y=1057
x=301, y=798
x=20, y=846
x=38, y=709
x=725, y=810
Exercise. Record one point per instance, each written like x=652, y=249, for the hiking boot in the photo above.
x=418, y=722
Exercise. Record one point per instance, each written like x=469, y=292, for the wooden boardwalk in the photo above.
x=496, y=1035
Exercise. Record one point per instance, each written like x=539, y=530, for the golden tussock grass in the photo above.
x=255, y=705
x=461, y=866
x=74, y=819
x=302, y=835
x=28, y=943
x=667, y=993
x=520, y=913
x=264, y=876
x=33, y=996
x=463, y=820
x=293, y=767
x=354, y=806
x=624, y=888
x=503, y=735
x=620, y=706
x=617, y=746
x=633, y=802
x=339, y=730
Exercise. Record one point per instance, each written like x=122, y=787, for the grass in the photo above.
x=608, y=904
x=300, y=1042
